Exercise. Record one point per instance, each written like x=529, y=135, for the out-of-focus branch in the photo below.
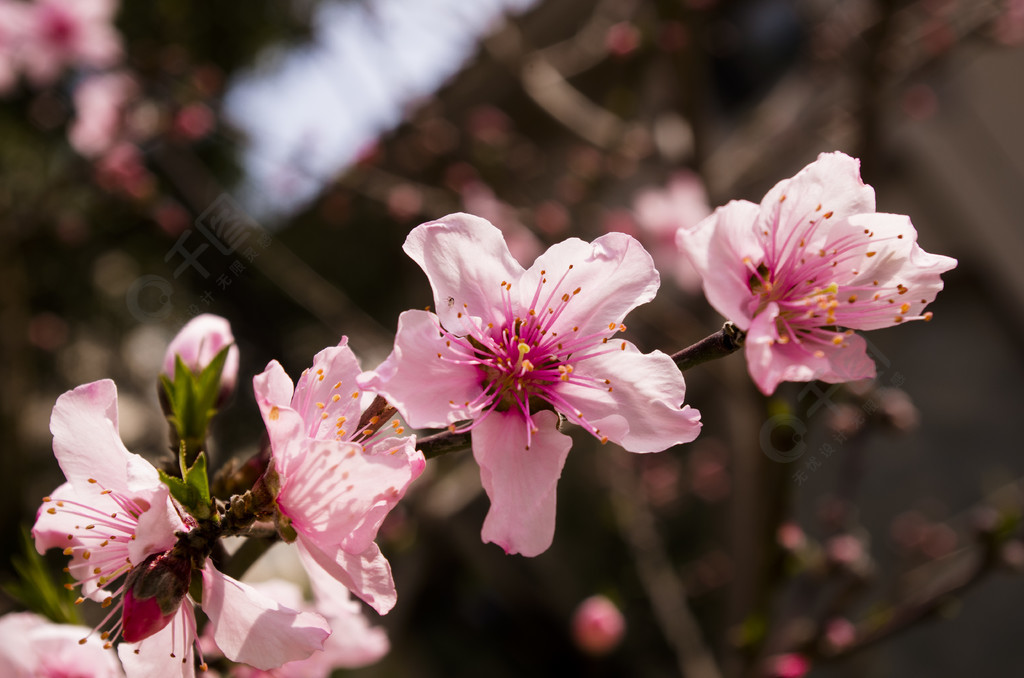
x=664, y=588
x=549, y=89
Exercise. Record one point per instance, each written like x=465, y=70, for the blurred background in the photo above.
x=265, y=162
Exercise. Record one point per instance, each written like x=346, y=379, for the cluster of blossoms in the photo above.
x=510, y=356
x=40, y=39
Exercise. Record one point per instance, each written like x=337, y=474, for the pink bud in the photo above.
x=598, y=626
x=153, y=594
x=788, y=666
x=790, y=536
x=199, y=342
x=840, y=633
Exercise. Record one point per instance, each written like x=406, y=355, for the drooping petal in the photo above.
x=466, y=260
x=254, y=629
x=718, y=247
x=367, y=574
x=168, y=652
x=422, y=385
x=87, y=444
x=520, y=482
x=771, y=362
x=642, y=407
x=614, y=274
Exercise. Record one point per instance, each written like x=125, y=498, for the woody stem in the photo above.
x=724, y=342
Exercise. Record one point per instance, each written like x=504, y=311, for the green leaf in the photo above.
x=37, y=586
x=192, y=490
x=192, y=400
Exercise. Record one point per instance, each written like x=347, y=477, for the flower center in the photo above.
x=526, y=358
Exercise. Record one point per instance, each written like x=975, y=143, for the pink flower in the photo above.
x=508, y=348
x=598, y=626
x=12, y=20
x=199, y=342
x=99, y=106
x=114, y=515
x=62, y=33
x=33, y=647
x=790, y=665
x=337, y=480
x=809, y=265
x=661, y=213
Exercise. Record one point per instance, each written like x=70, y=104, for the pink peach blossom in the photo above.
x=68, y=33
x=33, y=647
x=100, y=101
x=809, y=265
x=12, y=21
x=662, y=212
x=112, y=516
x=510, y=347
x=337, y=480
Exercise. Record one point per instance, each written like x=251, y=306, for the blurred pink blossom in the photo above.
x=479, y=199
x=100, y=101
x=788, y=666
x=598, y=626
x=33, y=647
x=194, y=121
x=68, y=33
x=661, y=213
x=12, y=21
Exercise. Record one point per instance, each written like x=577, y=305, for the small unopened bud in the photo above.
x=198, y=343
x=153, y=594
x=598, y=626
x=790, y=536
x=790, y=665
x=839, y=634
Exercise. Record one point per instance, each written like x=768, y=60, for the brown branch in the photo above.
x=724, y=342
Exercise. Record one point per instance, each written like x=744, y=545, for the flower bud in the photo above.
x=788, y=666
x=598, y=626
x=198, y=343
x=153, y=594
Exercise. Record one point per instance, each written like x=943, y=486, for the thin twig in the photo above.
x=664, y=588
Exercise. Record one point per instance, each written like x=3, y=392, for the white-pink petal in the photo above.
x=642, y=409
x=614, y=274
x=87, y=444
x=428, y=391
x=717, y=247
x=466, y=260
